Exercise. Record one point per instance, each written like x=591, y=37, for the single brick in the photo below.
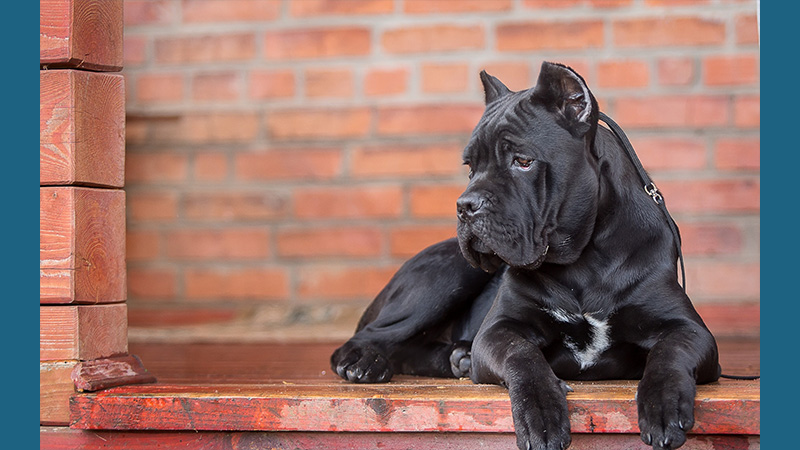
x=316, y=43
x=386, y=81
x=730, y=70
x=270, y=84
x=159, y=87
x=142, y=245
x=668, y=31
x=712, y=196
x=324, y=242
x=445, y=77
x=210, y=166
x=289, y=164
x=236, y=283
x=711, y=239
x=454, y=6
x=315, y=124
x=406, y=161
x=208, y=48
x=233, y=205
x=152, y=283
x=623, y=74
x=428, y=119
x=747, y=111
x=342, y=282
x=434, y=38
x=673, y=111
x=152, y=206
x=218, y=244
x=676, y=71
x=215, y=11
x=216, y=86
x=348, y=202
x=407, y=241
x=738, y=154
x=329, y=83
x=156, y=167
x=549, y=35
x=314, y=8
x=435, y=201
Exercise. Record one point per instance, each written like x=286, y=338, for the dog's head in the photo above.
x=533, y=189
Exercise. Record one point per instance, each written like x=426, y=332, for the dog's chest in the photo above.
x=585, y=336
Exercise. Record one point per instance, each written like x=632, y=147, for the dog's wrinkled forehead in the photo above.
x=507, y=117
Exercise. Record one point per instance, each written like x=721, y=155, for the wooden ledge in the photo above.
x=405, y=405
x=60, y=438
x=289, y=388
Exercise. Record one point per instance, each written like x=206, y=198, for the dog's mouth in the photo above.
x=480, y=255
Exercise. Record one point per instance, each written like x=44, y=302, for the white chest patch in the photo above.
x=599, y=341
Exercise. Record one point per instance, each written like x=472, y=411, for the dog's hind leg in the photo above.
x=430, y=358
x=429, y=293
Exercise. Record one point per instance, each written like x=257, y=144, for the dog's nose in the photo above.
x=468, y=205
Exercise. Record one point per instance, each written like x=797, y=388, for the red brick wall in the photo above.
x=284, y=158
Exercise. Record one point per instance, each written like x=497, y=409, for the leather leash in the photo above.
x=649, y=187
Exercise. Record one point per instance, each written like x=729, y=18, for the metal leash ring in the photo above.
x=652, y=191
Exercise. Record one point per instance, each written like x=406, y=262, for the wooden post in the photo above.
x=83, y=341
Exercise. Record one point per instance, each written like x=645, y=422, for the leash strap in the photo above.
x=649, y=187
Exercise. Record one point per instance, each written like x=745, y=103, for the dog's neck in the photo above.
x=640, y=222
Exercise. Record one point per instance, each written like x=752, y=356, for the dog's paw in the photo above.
x=541, y=419
x=461, y=359
x=361, y=364
x=666, y=409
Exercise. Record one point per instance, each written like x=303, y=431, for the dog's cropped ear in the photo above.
x=492, y=87
x=561, y=90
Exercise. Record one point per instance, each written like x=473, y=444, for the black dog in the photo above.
x=564, y=269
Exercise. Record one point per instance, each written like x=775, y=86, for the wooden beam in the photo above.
x=84, y=34
x=406, y=405
x=55, y=389
x=105, y=373
x=82, y=245
x=81, y=128
x=68, y=439
x=70, y=332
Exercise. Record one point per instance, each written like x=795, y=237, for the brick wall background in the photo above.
x=285, y=157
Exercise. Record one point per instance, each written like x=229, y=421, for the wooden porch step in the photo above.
x=59, y=438
x=405, y=405
x=251, y=391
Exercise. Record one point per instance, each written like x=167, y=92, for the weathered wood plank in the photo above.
x=69, y=332
x=84, y=34
x=82, y=245
x=607, y=407
x=69, y=439
x=82, y=128
x=109, y=372
x=55, y=389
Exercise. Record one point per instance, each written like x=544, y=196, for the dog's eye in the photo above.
x=470, y=173
x=523, y=163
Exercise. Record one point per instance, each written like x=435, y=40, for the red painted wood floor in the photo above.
x=284, y=396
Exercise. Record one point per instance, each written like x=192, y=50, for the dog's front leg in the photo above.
x=681, y=358
x=503, y=355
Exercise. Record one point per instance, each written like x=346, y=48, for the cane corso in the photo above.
x=563, y=269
